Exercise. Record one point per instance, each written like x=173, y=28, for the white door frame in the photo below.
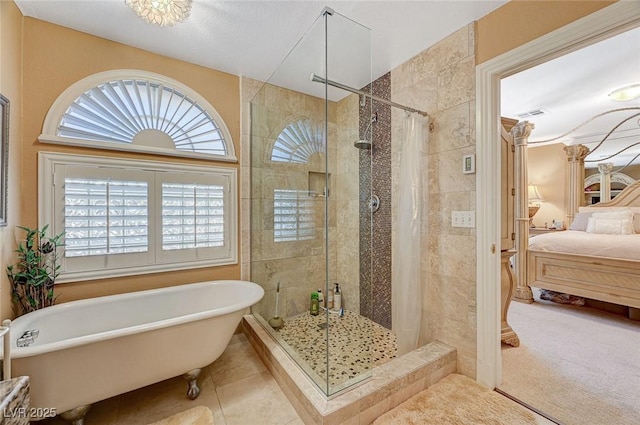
x=614, y=19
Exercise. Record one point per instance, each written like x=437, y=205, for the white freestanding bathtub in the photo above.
x=93, y=349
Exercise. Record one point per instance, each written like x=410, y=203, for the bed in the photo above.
x=603, y=267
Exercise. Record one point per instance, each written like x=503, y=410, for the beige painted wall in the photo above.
x=10, y=74
x=548, y=170
x=56, y=57
x=521, y=21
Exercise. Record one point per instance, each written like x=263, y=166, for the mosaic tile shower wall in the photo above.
x=375, y=230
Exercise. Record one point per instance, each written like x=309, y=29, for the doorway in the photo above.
x=610, y=21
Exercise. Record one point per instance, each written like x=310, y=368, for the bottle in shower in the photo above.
x=329, y=299
x=314, y=309
x=321, y=298
x=337, y=298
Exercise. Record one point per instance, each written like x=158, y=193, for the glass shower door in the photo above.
x=305, y=197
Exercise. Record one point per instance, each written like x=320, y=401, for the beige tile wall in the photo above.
x=299, y=266
x=347, y=244
x=441, y=80
x=248, y=90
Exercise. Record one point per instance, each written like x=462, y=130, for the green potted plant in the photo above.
x=33, y=276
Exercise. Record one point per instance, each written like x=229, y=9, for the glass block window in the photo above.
x=298, y=142
x=122, y=217
x=105, y=217
x=192, y=216
x=294, y=213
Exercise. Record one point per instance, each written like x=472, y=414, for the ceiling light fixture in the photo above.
x=161, y=12
x=626, y=93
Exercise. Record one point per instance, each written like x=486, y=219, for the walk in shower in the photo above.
x=321, y=205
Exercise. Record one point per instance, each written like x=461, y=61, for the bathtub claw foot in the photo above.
x=76, y=416
x=192, y=376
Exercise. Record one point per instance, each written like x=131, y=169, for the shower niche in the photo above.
x=317, y=183
x=306, y=189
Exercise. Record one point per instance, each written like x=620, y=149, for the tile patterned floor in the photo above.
x=356, y=344
x=237, y=388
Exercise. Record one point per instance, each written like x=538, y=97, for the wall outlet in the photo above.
x=463, y=219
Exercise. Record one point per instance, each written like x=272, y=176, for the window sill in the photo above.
x=140, y=270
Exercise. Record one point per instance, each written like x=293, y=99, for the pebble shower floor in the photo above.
x=356, y=344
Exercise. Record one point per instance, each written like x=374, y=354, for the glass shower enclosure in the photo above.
x=309, y=203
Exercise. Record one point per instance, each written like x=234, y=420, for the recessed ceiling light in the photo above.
x=625, y=93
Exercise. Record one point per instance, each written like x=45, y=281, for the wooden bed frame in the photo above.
x=605, y=279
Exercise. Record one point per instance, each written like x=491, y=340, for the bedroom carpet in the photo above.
x=577, y=364
x=457, y=400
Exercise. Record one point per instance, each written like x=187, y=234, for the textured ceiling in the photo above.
x=573, y=89
x=253, y=38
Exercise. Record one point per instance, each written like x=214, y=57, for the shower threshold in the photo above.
x=389, y=384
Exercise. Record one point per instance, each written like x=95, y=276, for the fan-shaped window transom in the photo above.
x=298, y=142
x=140, y=112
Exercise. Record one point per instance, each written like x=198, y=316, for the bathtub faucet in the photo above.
x=28, y=338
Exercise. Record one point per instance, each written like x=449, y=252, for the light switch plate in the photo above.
x=463, y=219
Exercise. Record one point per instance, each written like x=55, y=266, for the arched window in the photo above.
x=124, y=216
x=298, y=142
x=138, y=111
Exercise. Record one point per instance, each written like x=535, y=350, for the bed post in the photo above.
x=575, y=179
x=521, y=132
x=605, y=181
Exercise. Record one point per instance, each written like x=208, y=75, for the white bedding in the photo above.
x=577, y=242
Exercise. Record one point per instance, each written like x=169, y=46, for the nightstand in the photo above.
x=540, y=230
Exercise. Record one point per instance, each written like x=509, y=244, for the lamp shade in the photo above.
x=533, y=194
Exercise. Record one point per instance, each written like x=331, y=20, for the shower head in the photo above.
x=363, y=144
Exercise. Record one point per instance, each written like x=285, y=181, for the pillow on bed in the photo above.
x=626, y=213
x=590, y=210
x=611, y=223
x=580, y=221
